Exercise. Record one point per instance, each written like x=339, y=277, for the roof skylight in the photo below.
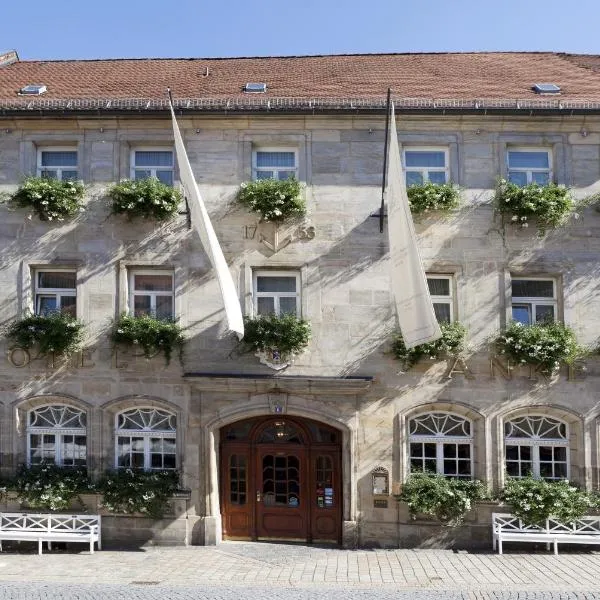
x=255, y=88
x=546, y=88
x=33, y=89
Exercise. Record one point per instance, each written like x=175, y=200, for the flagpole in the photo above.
x=385, y=154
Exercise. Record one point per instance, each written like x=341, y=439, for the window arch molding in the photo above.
x=145, y=438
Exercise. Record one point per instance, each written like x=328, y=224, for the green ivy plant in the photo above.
x=152, y=335
x=55, y=332
x=451, y=342
x=548, y=206
x=147, y=198
x=430, y=196
x=445, y=498
x=286, y=333
x=535, y=500
x=51, y=199
x=273, y=199
x=50, y=487
x=543, y=345
x=136, y=491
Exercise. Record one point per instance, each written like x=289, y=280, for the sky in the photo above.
x=84, y=29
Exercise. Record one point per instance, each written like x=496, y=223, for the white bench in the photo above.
x=508, y=528
x=50, y=528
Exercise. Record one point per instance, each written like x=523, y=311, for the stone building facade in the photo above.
x=352, y=410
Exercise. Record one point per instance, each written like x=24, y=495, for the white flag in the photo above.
x=409, y=283
x=201, y=222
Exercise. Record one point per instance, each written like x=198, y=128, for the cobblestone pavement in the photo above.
x=246, y=570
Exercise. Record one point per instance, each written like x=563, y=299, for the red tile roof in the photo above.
x=495, y=77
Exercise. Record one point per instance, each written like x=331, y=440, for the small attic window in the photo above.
x=33, y=89
x=255, y=88
x=546, y=88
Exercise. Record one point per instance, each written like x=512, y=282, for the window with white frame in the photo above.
x=146, y=439
x=57, y=163
x=153, y=162
x=440, y=290
x=276, y=292
x=57, y=434
x=426, y=164
x=533, y=300
x=274, y=163
x=151, y=293
x=441, y=443
x=536, y=446
x=55, y=291
x=529, y=165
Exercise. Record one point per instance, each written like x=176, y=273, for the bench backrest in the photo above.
x=507, y=522
x=47, y=522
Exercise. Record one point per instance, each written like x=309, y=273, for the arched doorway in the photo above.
x=281, y=480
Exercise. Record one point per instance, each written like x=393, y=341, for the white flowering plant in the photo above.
x=150, y=334
x=546, y=206
x=451, y=342
x=535, y=500
x=55, y=332
x=428, y=196
x=50, y=487
x=543, y=345
x=273, y=199
x=51, y=199
x=447, y=499
x=135, y=491
x=146, y=198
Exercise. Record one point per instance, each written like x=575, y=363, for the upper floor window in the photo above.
x=533, y=300
x=276, y=293
x=151, y=293
x=426, y=164
x=146, y=439
x=55, y=290
x=529, y=165
x=274, y=163
x=536, y=446
x=441, y=443
x=440, y=290
x=152, y=162
x=57, y=163
x=56, y=434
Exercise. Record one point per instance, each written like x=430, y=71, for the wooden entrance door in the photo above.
x=281, y=493
x=280, y=479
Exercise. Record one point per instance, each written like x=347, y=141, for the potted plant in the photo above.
x=451, y=342
x=548, y=206
x=276, y=339
x=543, y=345
x=51, y=199
x=150, y=334
x=147, y=198
x=56, y=332
x=274, y=200
x=430, y=196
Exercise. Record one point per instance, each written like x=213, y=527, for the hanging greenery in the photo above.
x=135, y=491
x=286, y=333
x=147, y=198
x=273, y=199
x=56, y=332
x=547, y=206
x=51, y=199
x=150, y=334
x=447, y=499
x=543, y=345
x=535, y=500
x=451, y=342
x=430, y=196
